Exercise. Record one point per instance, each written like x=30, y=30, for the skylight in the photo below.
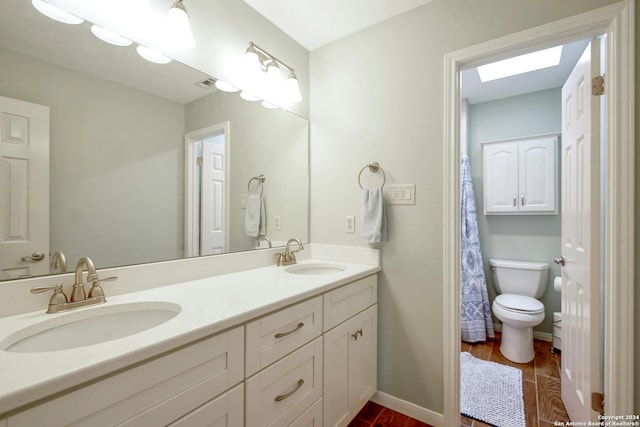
x=520, y=64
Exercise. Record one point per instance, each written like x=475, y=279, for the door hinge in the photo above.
x=199, y=161
x=597, y=402
x=597, y=86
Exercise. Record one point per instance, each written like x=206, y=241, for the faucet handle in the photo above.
x=96, y=289
x=58, y=296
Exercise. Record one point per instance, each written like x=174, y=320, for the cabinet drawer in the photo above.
x=154, y=393
x=349, y=300
x=312, y=417
x=278, y=334
x=223, y=411
x=282, y=392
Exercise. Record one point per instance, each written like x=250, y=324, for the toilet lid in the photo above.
x=519, y=303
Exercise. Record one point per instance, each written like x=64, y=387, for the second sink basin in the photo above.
x=89, y=327
x=313, y=269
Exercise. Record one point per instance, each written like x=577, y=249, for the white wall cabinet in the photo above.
x=521, y=176
x=350, y=359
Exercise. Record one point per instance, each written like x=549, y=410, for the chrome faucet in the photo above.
x=288, y=257
x=79, y=298
x=261, y=238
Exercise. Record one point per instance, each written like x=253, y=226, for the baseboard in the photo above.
x=542, y=336
x=409, y=409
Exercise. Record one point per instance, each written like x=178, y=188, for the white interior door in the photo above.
x=580, y=238
x=212, y=230
x=24, y=189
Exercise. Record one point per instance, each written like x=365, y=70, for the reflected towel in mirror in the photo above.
x=255, y=219
x=374, y=216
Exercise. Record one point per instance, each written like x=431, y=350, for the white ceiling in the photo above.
x=315, y=23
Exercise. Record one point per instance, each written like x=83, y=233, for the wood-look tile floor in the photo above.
x=540, y=382
x=374, y=415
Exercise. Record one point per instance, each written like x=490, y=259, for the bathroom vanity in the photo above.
x=269, y=346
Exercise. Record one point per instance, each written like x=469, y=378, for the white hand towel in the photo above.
x=374, y=216
x=255, y=223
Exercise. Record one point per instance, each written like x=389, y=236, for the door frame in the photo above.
x=192, y=186
x=617, y=21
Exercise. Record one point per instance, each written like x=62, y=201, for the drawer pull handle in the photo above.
x=284, y=396
x=284, y=334
x=355, y=336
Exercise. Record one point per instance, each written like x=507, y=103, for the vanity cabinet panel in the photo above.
x=312, y=417
x=350, y=367
x=520, y=176
x=278, y=334
x=226, y=410
x=153, y=393
x=346, y=301
x=279, y=394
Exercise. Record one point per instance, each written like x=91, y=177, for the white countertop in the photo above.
x=208, y=306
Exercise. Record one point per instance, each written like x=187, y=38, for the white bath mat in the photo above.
x=491, y=392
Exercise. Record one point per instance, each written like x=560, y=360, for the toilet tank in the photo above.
x=519, y=277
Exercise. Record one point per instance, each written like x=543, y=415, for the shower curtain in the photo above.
x=475, y=311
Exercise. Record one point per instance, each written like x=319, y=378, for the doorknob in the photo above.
x=36, y=256
x=561, y=260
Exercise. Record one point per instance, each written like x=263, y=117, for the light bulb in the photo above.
x=179, y=34
x=225, y=87
x=152, y=55
x=109, y=36
x=56, y=13
x=274, y=76
x=292, y=89
x=248, y=97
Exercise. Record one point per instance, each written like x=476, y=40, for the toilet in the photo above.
x=518, y=284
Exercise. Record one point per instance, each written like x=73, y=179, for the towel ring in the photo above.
x=373, y=167
x=260, y=180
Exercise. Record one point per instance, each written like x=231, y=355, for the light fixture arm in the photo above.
x=270, y=56
x=179, y=5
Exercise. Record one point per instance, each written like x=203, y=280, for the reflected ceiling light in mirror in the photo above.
x=248, y=97
x=56, y=13
x=179, y=31
x=152, y=56
x=225, y=87
x=269, y=105
x=109, y=36
x=520, y=64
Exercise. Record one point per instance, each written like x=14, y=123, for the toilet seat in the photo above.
x=519, y=304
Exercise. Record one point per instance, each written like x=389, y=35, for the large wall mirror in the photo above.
x=115, y=180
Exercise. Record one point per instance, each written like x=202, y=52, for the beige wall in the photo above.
x=377, y=95
x=637, y=221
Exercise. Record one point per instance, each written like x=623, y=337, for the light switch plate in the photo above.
x=276, y=222
x=350, y=224
x=401, y=194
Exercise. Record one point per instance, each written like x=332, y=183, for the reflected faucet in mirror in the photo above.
x=263, y=238
x=58, y=263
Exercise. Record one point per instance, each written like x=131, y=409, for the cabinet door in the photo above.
x=500, y=177
x=350, y=367
x=226, y=410
x=363, y=377
x=537, y=175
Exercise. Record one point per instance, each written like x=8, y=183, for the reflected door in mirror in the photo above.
x=24, y=189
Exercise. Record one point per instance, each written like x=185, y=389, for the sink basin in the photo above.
x=314, y=269
x=89, y=327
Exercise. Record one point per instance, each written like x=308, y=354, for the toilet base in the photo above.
x=517, y=344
